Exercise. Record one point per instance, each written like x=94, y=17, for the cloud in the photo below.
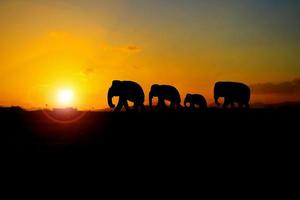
x=123, y=49
x=89, y=70
x=287, y=87
x=86, y=73
x=133, y=48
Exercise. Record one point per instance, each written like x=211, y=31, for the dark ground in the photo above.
x=214, y=147
x=267, y=132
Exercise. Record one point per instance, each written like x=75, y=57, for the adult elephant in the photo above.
x=165, y=92
x=232, y=92
x=126, y=91
x=195, y=100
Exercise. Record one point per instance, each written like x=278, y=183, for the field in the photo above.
x=225, y=145
x=103, y=133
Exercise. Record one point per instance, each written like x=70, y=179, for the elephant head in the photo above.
x=154, y=92
x=187, y=99
x=113, y=91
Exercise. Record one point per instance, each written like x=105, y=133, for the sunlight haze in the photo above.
x=80, y=46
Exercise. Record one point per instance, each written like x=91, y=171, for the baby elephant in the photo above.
x=193, y=100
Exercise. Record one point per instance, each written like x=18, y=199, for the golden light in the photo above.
x=65, y=97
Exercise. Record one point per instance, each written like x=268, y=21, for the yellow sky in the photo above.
x=47, y=46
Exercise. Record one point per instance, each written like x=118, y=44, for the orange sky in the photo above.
x=47, y=46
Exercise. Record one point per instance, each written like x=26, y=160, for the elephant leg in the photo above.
x=247, y=105
x=226, y=103
x=139, y=107
x=179, y=107
x=193, y=106
x=120, y=105
x=126, y=106
x=200, y=106
x=161, y=104
x=172, y=105
x=143, y=109
x=232, y=105
x=241, y=104
x=136, y=107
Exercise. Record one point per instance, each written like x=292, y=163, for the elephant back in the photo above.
x=171, y=92
x=133, y=88
x=232, y=88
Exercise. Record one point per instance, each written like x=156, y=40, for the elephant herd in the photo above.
x=232, y=92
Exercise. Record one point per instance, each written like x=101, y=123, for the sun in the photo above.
x=65, y=97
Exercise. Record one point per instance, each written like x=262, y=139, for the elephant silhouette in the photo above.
x=193, y=100
x=126, y=91
x=233, y=92
x=165, y=92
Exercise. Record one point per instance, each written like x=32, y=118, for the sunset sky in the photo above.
x=80, y=46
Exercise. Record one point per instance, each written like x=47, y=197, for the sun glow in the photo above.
x=65, y=97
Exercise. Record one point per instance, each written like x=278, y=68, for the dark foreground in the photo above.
x=257, y=148
x=263, y=132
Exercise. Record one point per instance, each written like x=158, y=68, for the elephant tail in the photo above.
x=248, y=95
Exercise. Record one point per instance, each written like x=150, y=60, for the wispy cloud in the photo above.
x=134, y=48
x=86, y=73
x=287, y=87
x=123, y=49
x=89, y=70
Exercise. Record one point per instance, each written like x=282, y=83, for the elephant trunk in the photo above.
x=217, y=101
x=185, y=103
x=109, y=98
x=150, y=99
x=216, y=96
